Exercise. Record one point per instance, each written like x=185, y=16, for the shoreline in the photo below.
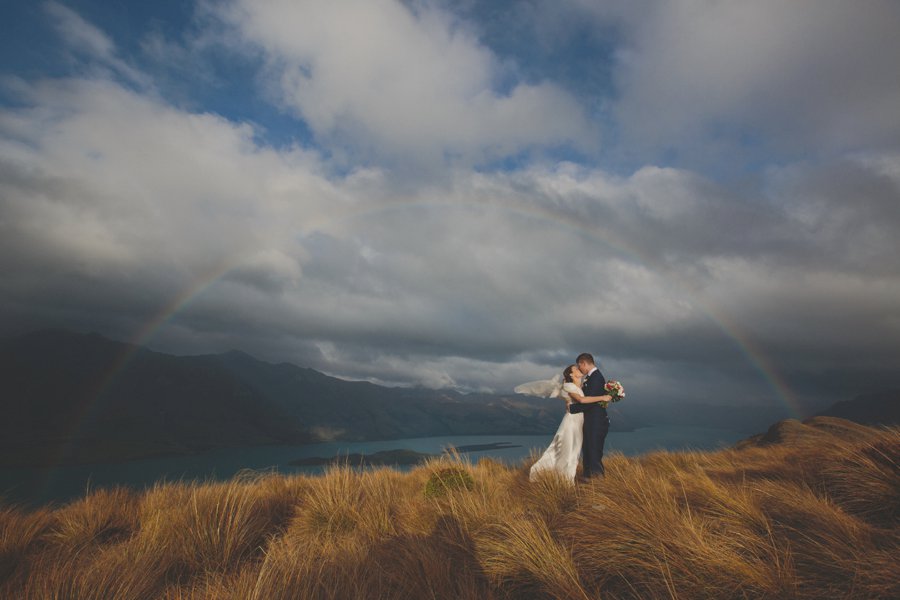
x=396, y=456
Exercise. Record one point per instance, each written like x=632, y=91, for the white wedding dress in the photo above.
x=564, y=451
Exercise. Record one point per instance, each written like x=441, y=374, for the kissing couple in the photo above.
x=583, y=429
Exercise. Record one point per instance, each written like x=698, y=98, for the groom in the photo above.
x=596, y=422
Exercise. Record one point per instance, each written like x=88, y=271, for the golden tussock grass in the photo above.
x=815, y=515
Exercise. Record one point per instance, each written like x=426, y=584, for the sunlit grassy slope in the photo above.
x=805, y=511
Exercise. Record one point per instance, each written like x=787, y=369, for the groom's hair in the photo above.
x=585, y=357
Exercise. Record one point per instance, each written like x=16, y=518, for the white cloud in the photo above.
x=405, y=84
x=115, y=180
x=714, y=79
x=78, y=33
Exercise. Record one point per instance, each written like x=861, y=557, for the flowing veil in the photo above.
x=545, y=388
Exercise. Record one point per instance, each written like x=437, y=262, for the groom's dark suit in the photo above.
x=596, y=425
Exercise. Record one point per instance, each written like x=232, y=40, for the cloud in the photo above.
x=385, y=80
x=79, y=33
x=744, y=79
x=117, y=188
x=86, y=39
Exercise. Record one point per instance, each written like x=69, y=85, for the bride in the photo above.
x=565, y=449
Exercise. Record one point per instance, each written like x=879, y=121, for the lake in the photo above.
x=36, y=486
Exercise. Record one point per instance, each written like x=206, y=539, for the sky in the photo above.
x=703, y=194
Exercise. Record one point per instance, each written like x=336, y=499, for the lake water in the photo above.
x=37, y=486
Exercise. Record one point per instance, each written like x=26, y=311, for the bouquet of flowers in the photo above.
x=615, y=390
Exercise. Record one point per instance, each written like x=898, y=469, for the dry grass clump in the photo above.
x=102, y=517
x=524, y=559
x=812, y=514
x=651, y=536
x=864, y=482
x=214, y=527
x=21, y=539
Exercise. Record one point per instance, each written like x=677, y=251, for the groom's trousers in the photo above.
x=596, y=426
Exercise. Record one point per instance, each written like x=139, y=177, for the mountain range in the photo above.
x=72, y=398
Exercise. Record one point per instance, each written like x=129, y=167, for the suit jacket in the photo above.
x=591, y=386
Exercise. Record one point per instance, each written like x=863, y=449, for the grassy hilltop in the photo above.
x=804, y=511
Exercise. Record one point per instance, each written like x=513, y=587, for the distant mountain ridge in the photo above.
x=879, y=408
x=59, y=404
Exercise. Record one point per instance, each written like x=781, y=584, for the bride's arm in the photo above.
x=568, y=392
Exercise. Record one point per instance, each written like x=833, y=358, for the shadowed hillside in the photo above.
x=806, y=510
x=71, y=398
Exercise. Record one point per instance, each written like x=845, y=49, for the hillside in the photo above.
x=810, y=512
x=60, y=404
x=813, y=431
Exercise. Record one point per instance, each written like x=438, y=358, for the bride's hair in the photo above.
x=567, y=374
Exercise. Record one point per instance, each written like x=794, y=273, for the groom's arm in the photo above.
x=591, y=399
x=594, y=391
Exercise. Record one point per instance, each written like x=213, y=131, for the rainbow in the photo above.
x=742, y=341
x=165, y=314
